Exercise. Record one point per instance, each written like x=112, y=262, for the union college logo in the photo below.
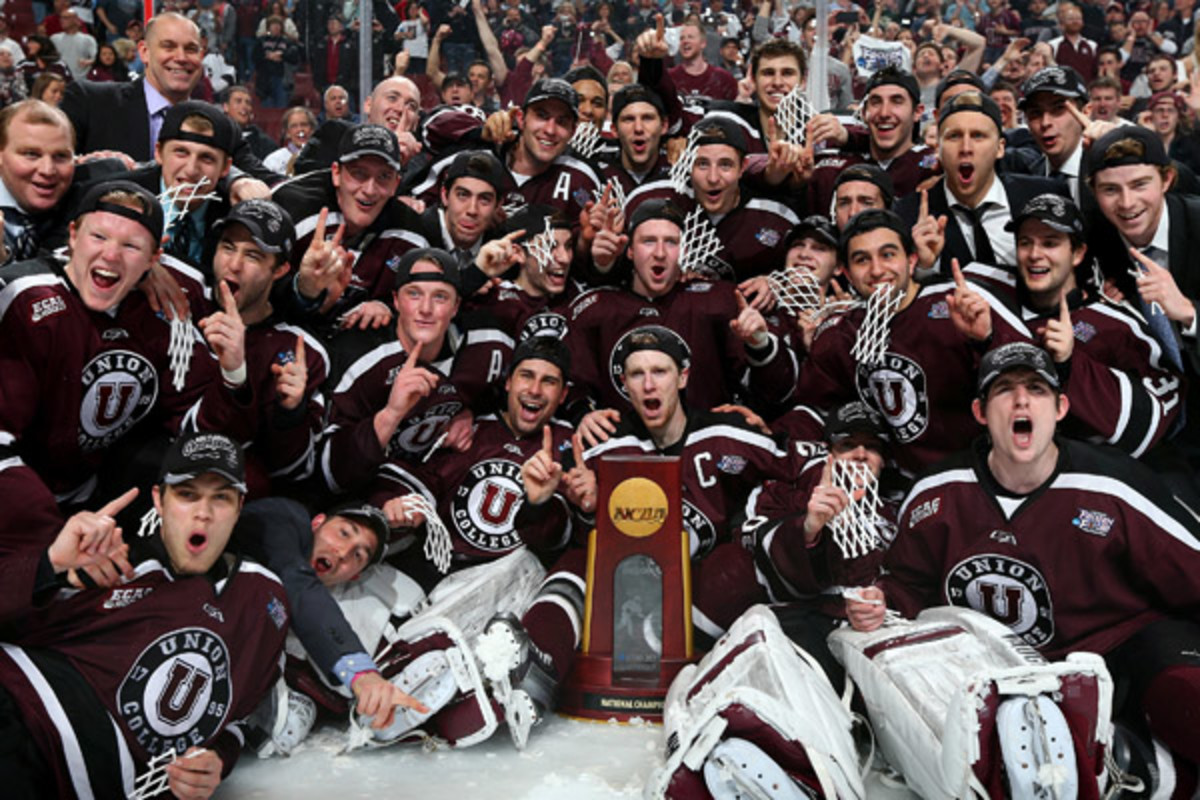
x=119, y=389
x=896, y=388
x=544, y=323
x=1007, y=590
x=417, y=433
x=486, y=503
x=177, y=693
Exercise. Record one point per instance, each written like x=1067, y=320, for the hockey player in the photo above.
x=640, y=119
x=406, y=386
x=932, y=344
x=535, y=302
x=377, y=229
x=712, y=318
x=1123, y=389
x=287, y=364
x=469, y=208
x=167, y=659
x=723, y=461
x=84, y=360
x=857, y=188
x=993, y=528
x=891, y=107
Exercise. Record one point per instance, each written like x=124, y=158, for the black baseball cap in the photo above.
x=195, y=454
x=552, y=89
x=1057, y=80
x=369, y=140
x=868, y=173
x=719, y=130
x=224, y=135
x=406, y=272
x=545, y=348
x=1016, y=355
x=817, y=226
x=372, y=518
x=1053, y=210
x=150, y=216
x=479, y=164
x=269, y=224
x=971, y=101
x=1128, y=144
x=957, y=77
x=636, y=93
x=455, y=79
x=656, y=208
x=654, y=337
x=851, y=418
x=586, y=73
x=892, y=75
x=536, y=219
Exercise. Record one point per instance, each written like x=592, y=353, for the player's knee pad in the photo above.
x=961, y=707
x=755, y=705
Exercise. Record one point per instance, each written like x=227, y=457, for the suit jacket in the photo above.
x=1020, y=189
x=113, y=116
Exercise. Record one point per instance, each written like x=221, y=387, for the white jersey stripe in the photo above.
x=370, y=359
x=10, y=292
x=752, y=438
x=76, y=765
x=1126, y=406
x=1103, y=484
x=933, y=482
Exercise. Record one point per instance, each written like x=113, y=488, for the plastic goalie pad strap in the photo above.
x=935, y=687
x=455, y=614
x=756, y=686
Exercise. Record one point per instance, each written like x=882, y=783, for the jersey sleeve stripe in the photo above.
x=12, y=290
x=365, y=362
x=309, y=224
x=752, y=438
x=775, y=207
x=933, y=482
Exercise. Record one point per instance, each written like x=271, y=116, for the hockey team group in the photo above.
x=283, y=449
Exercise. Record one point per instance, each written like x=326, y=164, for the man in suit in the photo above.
x=127, y=117
x=36, y=168
x=1146, y=242
x=963, y=216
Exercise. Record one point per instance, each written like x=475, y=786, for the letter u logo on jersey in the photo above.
x=1002, y=603
x=184, y=684
x=112, y=400
x=497, y=504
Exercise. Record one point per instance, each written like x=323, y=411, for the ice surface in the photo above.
x=566, y=760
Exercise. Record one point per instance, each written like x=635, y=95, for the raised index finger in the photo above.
x=1143, y=259
x=1064, y=310
x=956, y=271
x=924, y=204
x=548, y=441
x=299, y=352
x=319, y=233
x=1079, y=116
x=413, y=355
x=659, y=27
x=227, y=300
x=512, y=237
x=577, y=449
x=114, y=507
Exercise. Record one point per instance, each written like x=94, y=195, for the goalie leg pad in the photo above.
x=755, y=685
x=428, y=678
x=739, y=770
x=1035, y=741
x=281, y=722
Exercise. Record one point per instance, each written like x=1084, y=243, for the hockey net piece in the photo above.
x=875, y=331
x=541, y=246
x=854, y=529
x=179, y=351
x=795, y=289
x=616, y=193
x=585, y=140
x=698, y=245
x=792, y=116
x=153, y=781
x=681, y=170
x=438, y=547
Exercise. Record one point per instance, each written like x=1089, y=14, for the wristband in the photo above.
x=235, y=378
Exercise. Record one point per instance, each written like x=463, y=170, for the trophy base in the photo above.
x=590, y=691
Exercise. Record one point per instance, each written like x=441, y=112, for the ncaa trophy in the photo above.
x=637, y=627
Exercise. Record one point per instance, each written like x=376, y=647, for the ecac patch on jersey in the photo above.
x=733, y=465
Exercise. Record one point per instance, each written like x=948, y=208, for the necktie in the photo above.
x=1159, y=325
x=983, y=245
x=20, y=235
x=183, y=240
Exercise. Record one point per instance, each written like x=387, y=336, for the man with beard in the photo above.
x=394, y=103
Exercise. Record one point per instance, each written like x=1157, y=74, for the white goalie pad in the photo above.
x=937, y=687
x=755, y=684
x=454, y=615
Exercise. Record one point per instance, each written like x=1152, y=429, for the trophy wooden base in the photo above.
x=591, y=693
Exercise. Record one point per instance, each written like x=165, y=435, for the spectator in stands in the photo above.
x=275, y=51
x=999, y=25
x=1071, y=49
x=108, y=66
x=12, y=85
x=460, y=45
x=1169, y=119
x=114, y=15
x=239, y=106
x=1105, y=98
x=335, y=59
x=50, y=88
x=693, y=76
x=298, y=125
x=335, y=104
x=41, y=56
x=456, y=90
x=127, y=51
x=279, y=10
x=413, y=33
x=10, y=44
x=54, y=23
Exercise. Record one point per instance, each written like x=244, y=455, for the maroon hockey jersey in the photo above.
x=108, y=678
x=714, y=83
x=522, y=315
x=906, y=170
x=73, y=383
x=478, y=493
x=1081, y=563
x=699, y=312
x=926, y=381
